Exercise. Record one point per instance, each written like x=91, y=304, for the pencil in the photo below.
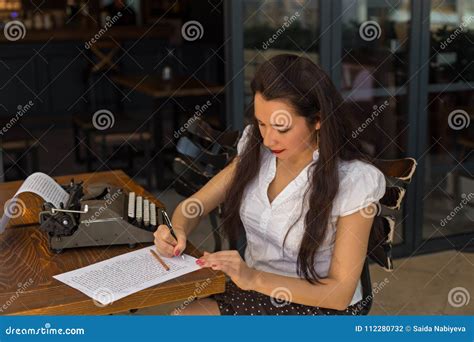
x=157, y=257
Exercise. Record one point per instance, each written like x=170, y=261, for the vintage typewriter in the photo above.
x=99, y=215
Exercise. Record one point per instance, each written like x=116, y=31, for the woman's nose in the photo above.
x=269, y=138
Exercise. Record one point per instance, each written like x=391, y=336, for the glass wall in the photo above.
x=449, y=183
x=408, y=69
x=275, y=27
x=375, y=73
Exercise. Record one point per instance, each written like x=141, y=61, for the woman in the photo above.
x=300, y=190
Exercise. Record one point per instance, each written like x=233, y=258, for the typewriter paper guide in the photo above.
x=123, y=275
x=42, y=185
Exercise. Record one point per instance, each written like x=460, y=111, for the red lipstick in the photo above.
x=277, y=151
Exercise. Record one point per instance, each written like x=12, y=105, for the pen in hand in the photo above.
x=167, y=221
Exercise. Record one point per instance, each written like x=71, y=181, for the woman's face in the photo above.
x=285, y=133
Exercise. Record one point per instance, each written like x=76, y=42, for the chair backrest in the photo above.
x=193, y=150
x=202, y=153
x=102, y=58
x=104, y=53
x=381, y=235
x=225, y=140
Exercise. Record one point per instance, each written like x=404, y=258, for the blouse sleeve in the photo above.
x=364, y=184
x=243, y=139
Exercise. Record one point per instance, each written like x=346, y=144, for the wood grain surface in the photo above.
x=27, y=286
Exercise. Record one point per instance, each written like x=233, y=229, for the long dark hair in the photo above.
x=308, y=89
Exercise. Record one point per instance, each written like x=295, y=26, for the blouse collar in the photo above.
x=300, y=180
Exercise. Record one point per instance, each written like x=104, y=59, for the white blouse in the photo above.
x=267, y=224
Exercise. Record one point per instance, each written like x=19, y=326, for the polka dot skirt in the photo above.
x=235, y=301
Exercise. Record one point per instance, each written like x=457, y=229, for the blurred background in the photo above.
x=146, y=67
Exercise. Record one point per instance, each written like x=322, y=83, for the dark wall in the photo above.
x=52, y=75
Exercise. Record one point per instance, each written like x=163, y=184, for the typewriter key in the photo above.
x=131, y=205
x=146, y=212
x=139, y=209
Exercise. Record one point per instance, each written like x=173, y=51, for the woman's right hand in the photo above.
x=165, y=242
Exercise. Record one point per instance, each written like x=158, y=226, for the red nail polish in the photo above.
x=176, y=253
x=199, y=262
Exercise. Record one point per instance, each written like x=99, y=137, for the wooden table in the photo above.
x=159, y=90
x=27, y=286
x=155, y=87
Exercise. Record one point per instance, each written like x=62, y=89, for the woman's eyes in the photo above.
x=279, y=130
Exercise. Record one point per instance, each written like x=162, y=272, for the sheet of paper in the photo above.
x=123, y=275
x=45, y=187
x=37, y=183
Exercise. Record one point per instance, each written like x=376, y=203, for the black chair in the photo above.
x=381, y=236
x=202, y=153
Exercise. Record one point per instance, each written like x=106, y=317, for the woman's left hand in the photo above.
x=231, y=264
